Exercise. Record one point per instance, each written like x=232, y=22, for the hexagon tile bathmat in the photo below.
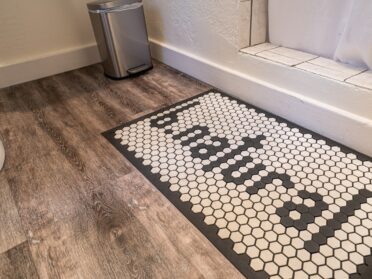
x=277, y=200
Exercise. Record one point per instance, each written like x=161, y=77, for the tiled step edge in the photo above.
x=357, y=76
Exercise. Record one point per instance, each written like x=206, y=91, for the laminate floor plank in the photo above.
x=17, y=263
x=11, y=231
x=46, y=190
x=22, y=137
x=107, y=241
x=73, y=216
x=120, y=94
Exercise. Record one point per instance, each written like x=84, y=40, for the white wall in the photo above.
x=36, y=28
x=206, y=28
x=54, y=34
x=44, y=37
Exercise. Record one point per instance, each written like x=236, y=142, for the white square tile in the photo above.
x=258, y=48
x=329, y=68
x=296, y=54
x=363, y=80
x=286, y=56
x=278, y=58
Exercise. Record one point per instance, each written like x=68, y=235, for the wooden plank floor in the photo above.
x=71, y=206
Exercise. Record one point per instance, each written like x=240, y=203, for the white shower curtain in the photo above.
x=338, y=29
x=355, y=46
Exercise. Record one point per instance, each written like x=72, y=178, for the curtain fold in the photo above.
x=355, y=46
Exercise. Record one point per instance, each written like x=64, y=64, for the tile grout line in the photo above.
x=266, y=50
x=366, y=70
x=360, y=86
x=307, y=61
x=286, y=56
x=331, y=69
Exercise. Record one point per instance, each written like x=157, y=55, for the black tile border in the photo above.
x=225, y=246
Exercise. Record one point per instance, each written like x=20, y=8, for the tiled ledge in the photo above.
x=321, y=66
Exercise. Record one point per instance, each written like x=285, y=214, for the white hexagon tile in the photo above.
x=277, y=200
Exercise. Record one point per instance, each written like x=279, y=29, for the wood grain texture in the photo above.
x=11, y=231
x=184, y=242
x=87, y=212
x=17, y=263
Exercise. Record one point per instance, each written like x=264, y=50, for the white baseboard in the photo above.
x=50, y=64
x=338, y=124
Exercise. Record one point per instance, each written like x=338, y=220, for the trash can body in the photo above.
x=121, y=34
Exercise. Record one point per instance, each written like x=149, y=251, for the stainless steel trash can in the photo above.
x=120, y=30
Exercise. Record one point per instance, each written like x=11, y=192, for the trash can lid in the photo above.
x=109, y=4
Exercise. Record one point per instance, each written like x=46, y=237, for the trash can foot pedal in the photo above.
x=139, y=69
